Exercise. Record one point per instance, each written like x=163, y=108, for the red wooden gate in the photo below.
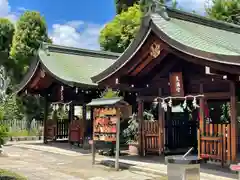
x=51, y=130
x=75, y=135
x=151, y=142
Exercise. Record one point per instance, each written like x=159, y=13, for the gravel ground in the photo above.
x=52, y=166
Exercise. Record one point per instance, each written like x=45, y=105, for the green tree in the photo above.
x=224, y=10
x=6, y=34
x=31, y=30
x=3, y=129
x=118, y=34
x=122, y=5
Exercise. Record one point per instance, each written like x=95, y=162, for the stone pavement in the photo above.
x=59, y=165
x=147, y=166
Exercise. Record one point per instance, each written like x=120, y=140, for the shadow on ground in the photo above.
x=153, y=160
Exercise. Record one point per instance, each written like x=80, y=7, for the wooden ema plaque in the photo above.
x=105, y=124
x=176, y=84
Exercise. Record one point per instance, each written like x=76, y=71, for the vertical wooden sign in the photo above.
x=176, y=84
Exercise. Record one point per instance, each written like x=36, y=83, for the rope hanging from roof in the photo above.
x=165, y=104
x=56, y=105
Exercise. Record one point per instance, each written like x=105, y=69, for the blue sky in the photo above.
x=74, y=22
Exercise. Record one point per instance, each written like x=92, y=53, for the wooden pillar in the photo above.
x=46, y=104
x=169, y=126
x=201, y=120
x=140, y=133
x=83, y=123
x=234, y=126
x=71, y=112
x=161, y=124
x=92, y=120
x=70, y=120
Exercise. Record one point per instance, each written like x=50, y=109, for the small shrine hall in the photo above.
x=182, y=59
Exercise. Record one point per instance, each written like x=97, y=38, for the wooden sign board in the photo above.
x=104, y=125
x=176, y=84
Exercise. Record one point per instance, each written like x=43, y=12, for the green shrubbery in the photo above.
x=5, y=174
x=3, y=134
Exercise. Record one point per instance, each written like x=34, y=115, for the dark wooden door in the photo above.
x=180, y=132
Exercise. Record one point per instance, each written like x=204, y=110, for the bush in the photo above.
x=3, y=134
x=8, y=175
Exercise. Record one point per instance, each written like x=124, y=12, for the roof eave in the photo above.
x=28, y=77
x=66, y=82
x=128, y=53
x=213, y=57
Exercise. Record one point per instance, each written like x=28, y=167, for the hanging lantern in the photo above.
x=116, y=81
x=194, y=103
x=67, y=107
x=164, y=105
x=57, y=107
x=155, y=102
x=53, y=107
x=62, y=88
x=170, y=102
x=185, y=104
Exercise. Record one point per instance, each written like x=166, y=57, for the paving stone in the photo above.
x=42, y=165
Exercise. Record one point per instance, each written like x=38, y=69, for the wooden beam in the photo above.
x=216, y=65
x=154, y=63
x=34, y=82
x=135, y=60
x=141, y=66
x=144, y=54
x=217, y=95
x=207, y=96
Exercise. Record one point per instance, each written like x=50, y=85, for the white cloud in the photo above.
x=5, y=11
x=193, y=5
x=76, y=34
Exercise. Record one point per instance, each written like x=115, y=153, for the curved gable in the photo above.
x=191, y=34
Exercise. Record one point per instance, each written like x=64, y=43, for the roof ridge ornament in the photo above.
x=154, y=6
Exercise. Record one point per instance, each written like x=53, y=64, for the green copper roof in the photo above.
x=186, y=33
x=74, y=66
x=198, y=36
x=107, y=102
x=71, y=66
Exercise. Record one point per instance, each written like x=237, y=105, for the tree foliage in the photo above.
x=31, y=30
x=110, y=93
x=118, y=34
x=6, y=34
x=123, y=5
x=224, y=10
